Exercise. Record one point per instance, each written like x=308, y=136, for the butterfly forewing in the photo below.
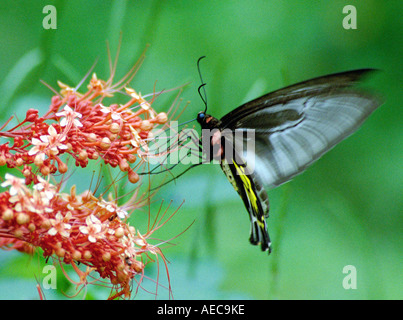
x=307, y=88
x=291, y=135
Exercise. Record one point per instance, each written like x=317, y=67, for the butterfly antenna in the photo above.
x=204, y=95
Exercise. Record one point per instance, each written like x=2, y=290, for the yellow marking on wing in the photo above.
x=248, y=187
x=229, y=175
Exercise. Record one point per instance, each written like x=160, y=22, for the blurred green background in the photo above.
x=345, y=210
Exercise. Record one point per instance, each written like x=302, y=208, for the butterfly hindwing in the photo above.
x=255, y=200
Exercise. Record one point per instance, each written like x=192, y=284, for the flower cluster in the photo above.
x=75, y=229
x=81, y=229
x=81, y=126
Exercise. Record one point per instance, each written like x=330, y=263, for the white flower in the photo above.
x=22, y=203
x=55, y=140
x=45, y=187
x=114, y=115
x=136, y=141
x=140, y=240
x=93, y=228
x=113, y=208
x=59, y=225
x=38, y=146
x=17, y=184
x=143, y=103
x=50, y=142
x=39, y=201
x=70, y=116
x=121, y=213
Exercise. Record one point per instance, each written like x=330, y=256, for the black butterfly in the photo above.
x=293, y=127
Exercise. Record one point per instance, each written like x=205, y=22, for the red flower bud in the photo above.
x=32, y=115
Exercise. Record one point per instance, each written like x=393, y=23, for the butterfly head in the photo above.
x=201, y=117
x=206, y=121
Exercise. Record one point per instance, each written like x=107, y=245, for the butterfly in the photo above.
x=291, y=128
